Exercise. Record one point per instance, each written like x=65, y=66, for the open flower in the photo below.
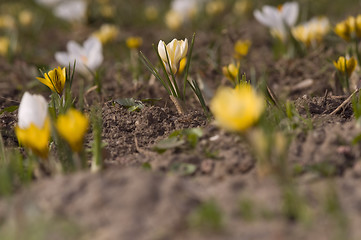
x=54, y=79
x=176, y=50
x=231, y=72
x=33, y=128
x=237, y=109
x=345, y=66
x=87, y=57
x=278, y=19
x=72, y=127
x=312, y=32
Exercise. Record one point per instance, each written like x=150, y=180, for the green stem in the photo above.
x=357, y=52
x=187, y=66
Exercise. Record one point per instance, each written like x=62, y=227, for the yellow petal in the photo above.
x=237, y=109
x=34, y=138
x=72, y=126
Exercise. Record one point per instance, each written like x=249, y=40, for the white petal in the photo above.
x=32, y=109
x=63, y=58
x=95, y=59
x=71, y=10
x=290, y=13
x=74, y=48
x=268, y=17
x=161, y=50
x=184, y=48
x=92, y=43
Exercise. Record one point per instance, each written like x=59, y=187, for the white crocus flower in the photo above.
x=69, y=10
x=87, y=57
x=181, y=11
x=176, y=50
x=33, y=109
x=185, y=8
x=278, y=19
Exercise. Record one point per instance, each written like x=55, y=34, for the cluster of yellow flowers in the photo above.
x=33, y=129
x=240, y=50
x=350, y=28
x=9, y=23
x=312, y=32
x=345, y=66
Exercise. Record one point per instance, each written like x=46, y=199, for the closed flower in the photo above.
x=176, y=50
x=72, y=126
x=33, y=128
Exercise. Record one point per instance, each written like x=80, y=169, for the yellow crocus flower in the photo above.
x=37, y=139
x=215, y=7
x=347, y=28
x=72, y=126
x=26, y=17
x=151, y=13
x=173, y=20
x=54, y=79
x=237, y=109
x=106, y=33
x=134, y=42
x=345, y=65
x=7, y=22
x=241, y=48
x=312, y=32
x=231, y=72
x=4, y=46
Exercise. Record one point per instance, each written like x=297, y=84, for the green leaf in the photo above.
x=183, y=169
x=179, y=137
x=9, y=109
x=193, y=135
x=147, y=166
x=130, y=103
x=168, y=143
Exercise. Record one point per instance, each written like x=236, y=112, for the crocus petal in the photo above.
x=32, y=109
x=62, y=58
x=92, y=43
x=71, y=10
x=290, y=13
x=74, y=48
x=93, y=48
x=268, y=16
x=161, y=50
